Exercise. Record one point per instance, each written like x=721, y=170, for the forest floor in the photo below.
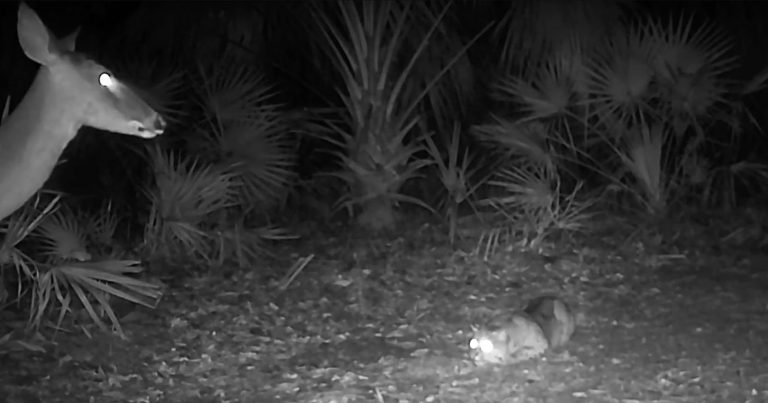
x=667, y=313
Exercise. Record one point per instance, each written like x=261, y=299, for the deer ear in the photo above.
x=68, y=42
x=34, y=37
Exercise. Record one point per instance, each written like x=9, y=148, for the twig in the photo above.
x=294, y=272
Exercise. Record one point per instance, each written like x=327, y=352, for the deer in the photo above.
x=68, y=92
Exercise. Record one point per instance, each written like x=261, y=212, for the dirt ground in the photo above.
x=672, y=314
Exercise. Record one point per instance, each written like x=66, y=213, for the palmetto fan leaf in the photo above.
x=188, y=190
x=112, y=277
x=547, y=95
x=15, y=229
x=103, y=225
x=691, y=62
x=63, y=236
x=527, y=188
x=532, y=30
x=90, y=281
x=245, y=132
x=231, y=92
x=186, y=195
x=259, y=154
x=621, y=79
x=681, y=48
x=528, y=140
x=723, y=182
x=644, y=158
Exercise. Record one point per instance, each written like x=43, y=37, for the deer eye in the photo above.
x=105, y=79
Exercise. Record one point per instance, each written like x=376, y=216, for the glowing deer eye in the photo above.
x=105, y=79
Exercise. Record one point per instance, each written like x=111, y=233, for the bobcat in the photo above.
x=546, y=322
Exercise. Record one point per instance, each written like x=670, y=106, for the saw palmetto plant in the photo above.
x=186, y=197
x=245, y=133
x=195, y=214
x=659, y=86
x=103, y=228
x=14, y=261
x=61, y=236
x=534, y=205
x=722, y=183
x=636, y=108
x=92, y=283
x=530, y=139
x=70, y=277
x=62, y=274
x=532, y=33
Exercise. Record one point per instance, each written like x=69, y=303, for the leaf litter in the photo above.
x=356, y=326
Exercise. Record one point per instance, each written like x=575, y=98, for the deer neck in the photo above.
x=32, y=139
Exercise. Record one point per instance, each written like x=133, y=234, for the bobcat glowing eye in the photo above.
x=486, y=345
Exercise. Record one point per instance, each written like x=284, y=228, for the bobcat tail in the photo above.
x=554, y=317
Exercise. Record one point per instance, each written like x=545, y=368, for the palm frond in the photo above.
x=549, y=94
x=231, y=93
x=15, y=229
x=89, y=281
x=102, y=226
x=188, y=190
x=692, y=63
x=246, y=132
x=528, y=140
x=261, y=157
x=621, y=80
x=185, y=197
x=645, y=160
x=63, y=236
x=531, y=31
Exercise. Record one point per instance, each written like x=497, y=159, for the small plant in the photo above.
x=101, y=228
x=535, y=206
x=456, y=176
